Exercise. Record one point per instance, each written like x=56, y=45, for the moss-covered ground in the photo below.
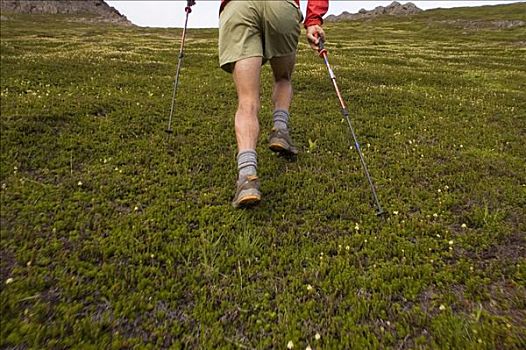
x=114, y=235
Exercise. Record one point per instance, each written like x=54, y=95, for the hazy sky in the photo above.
x=205, y=12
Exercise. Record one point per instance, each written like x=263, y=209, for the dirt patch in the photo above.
x=508, y=252
x=511, y=250
x=475, y=25
x=7, y=262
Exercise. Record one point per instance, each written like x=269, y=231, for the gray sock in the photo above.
x=281, y=119
x=247, y=162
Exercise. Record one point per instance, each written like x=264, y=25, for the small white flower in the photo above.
x=309, y=287
x=356, y=226
x=446, y=187
x=308, y=347
x=395, y=212
x=450, y=242
x=136, y=208
x=347, y=247
x=4, y=186
x=9, y=280
x=441, y=307
x=152, y=256
x=290, y=344
x=79, y=183
x=438, y=236
x=435, y=215
x=464, y=226
x=317, y=336
x=439, y=190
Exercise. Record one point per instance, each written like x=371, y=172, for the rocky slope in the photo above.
x=394, y=9
x=101, y=10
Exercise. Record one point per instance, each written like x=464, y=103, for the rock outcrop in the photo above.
x=394, y=9
x=98, y=8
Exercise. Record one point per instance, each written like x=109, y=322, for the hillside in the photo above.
x=115, y=235
x=97, y=10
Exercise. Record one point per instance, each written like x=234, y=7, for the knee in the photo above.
x=283, y=78
x=250, y=108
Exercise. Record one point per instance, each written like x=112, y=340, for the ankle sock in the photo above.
x=281, y=119
x=247, y=162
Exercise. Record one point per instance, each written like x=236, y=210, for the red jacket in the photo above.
x=315, y=11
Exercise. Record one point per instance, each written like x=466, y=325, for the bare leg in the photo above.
x=247, y=77
x=282, y=68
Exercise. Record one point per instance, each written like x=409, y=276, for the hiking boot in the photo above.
x=281, y=142
x=247, y=193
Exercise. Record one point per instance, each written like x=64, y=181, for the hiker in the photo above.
x=252, y=32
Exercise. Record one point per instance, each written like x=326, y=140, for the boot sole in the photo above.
x=282, y=148
x=251, y=198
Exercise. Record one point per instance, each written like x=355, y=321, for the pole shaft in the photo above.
x=345, y=113
x=179, y=64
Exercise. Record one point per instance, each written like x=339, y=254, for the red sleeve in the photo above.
x=315, y=11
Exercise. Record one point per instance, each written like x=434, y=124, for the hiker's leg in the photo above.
x=282, y=68
x=279, y=139
x=247, y=77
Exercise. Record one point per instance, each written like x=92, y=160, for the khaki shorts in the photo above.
x=252, y=28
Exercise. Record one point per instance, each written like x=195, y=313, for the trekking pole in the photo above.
x=345, y=112
x=187, y=9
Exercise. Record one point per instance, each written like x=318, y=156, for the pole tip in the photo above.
x=381, y=213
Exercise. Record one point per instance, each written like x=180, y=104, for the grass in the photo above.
x=114, y=235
